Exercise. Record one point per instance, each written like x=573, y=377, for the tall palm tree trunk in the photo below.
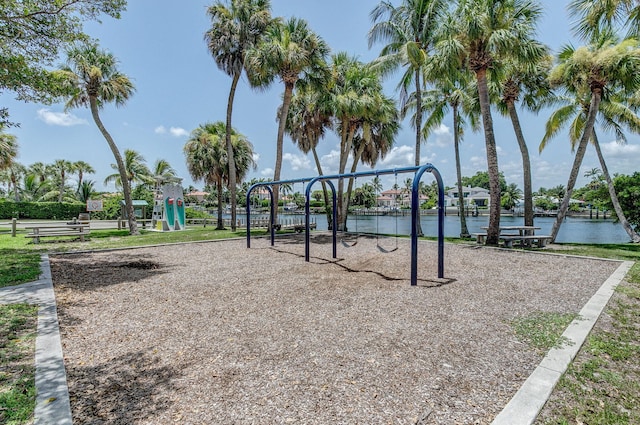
x=464, y=231
x=635, y=238
x=596, y=96
x=219, y=188
x=284, y=111
x=327, y=207
x=230, y=156
x=527, y=191
x=61, y=188
x=345, y=148
x=126, y=189
x=354, y=168
x=493, y=232
x=418, y=137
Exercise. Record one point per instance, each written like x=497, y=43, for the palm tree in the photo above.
x=135, y=167
x=82, y=168
x=356, y=100
x=410, y=31
x=207, y=160
x=511, y=196
x=286, y=51
x=527, y=81
x=456, y=93
x=596, y=17
x=613, y=114
x=481, y=32
x=16, y=172
x=60, y=168
x=307, y=121
x=8, y=149
x=87, y=191
x=598, y=69
x=234, y=30
x=40, y=171
x=163, y=172
x=92, y=78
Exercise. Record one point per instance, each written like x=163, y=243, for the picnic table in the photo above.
x=76, y=229
x=508, y=234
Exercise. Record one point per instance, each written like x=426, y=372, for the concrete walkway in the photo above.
x=52, y=393
x=52, y=400
x=524, y=407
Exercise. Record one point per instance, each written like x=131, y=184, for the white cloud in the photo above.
x=443, y=136
x=618, y=150
x=298, y=162
x=331, y=162
x=267, y=172
x=256, y=157
x=398, y=156
x=178, y=132
x=60, y=118
x=174, y=131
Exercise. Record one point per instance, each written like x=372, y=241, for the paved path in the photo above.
x=52, y=394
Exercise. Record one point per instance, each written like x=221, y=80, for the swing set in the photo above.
x=415, y=211
x=378, y=235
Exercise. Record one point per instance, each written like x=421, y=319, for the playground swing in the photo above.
x=378, y=236
x=345, y=243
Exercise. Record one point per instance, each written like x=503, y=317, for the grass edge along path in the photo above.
x=602, y=384
x=18, y=323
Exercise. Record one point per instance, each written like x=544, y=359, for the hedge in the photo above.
x=41, y=210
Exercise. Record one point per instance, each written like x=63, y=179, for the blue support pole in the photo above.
x=415, y=210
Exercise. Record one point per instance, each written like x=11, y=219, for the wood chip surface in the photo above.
x=215, y=333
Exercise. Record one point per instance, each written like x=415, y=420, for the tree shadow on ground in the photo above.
x=88, y=274
x=131, y=388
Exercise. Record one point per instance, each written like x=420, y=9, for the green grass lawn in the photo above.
x=601, y=387
x=17, y=370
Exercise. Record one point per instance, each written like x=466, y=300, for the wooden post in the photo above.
x=14, y=221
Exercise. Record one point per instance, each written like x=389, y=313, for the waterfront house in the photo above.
x=470, y=195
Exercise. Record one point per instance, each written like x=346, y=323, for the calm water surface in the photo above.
x=578, y=230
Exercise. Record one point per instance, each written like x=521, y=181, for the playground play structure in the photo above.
x=168, y=210
x=415, y=210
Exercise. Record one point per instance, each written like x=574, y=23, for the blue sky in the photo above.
x=160, y=47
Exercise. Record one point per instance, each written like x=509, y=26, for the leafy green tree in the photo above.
x=481, y=179
x=33, y=32
x=91, y=78
x=628, y=190
x=286, y=51
x=234, y=30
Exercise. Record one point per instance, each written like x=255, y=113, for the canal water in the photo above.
x=578, y=229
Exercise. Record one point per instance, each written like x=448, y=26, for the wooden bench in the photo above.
x=78, y=230
x=539, y=240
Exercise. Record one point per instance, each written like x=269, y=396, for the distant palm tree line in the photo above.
x=467, y=58
x=65, y=181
